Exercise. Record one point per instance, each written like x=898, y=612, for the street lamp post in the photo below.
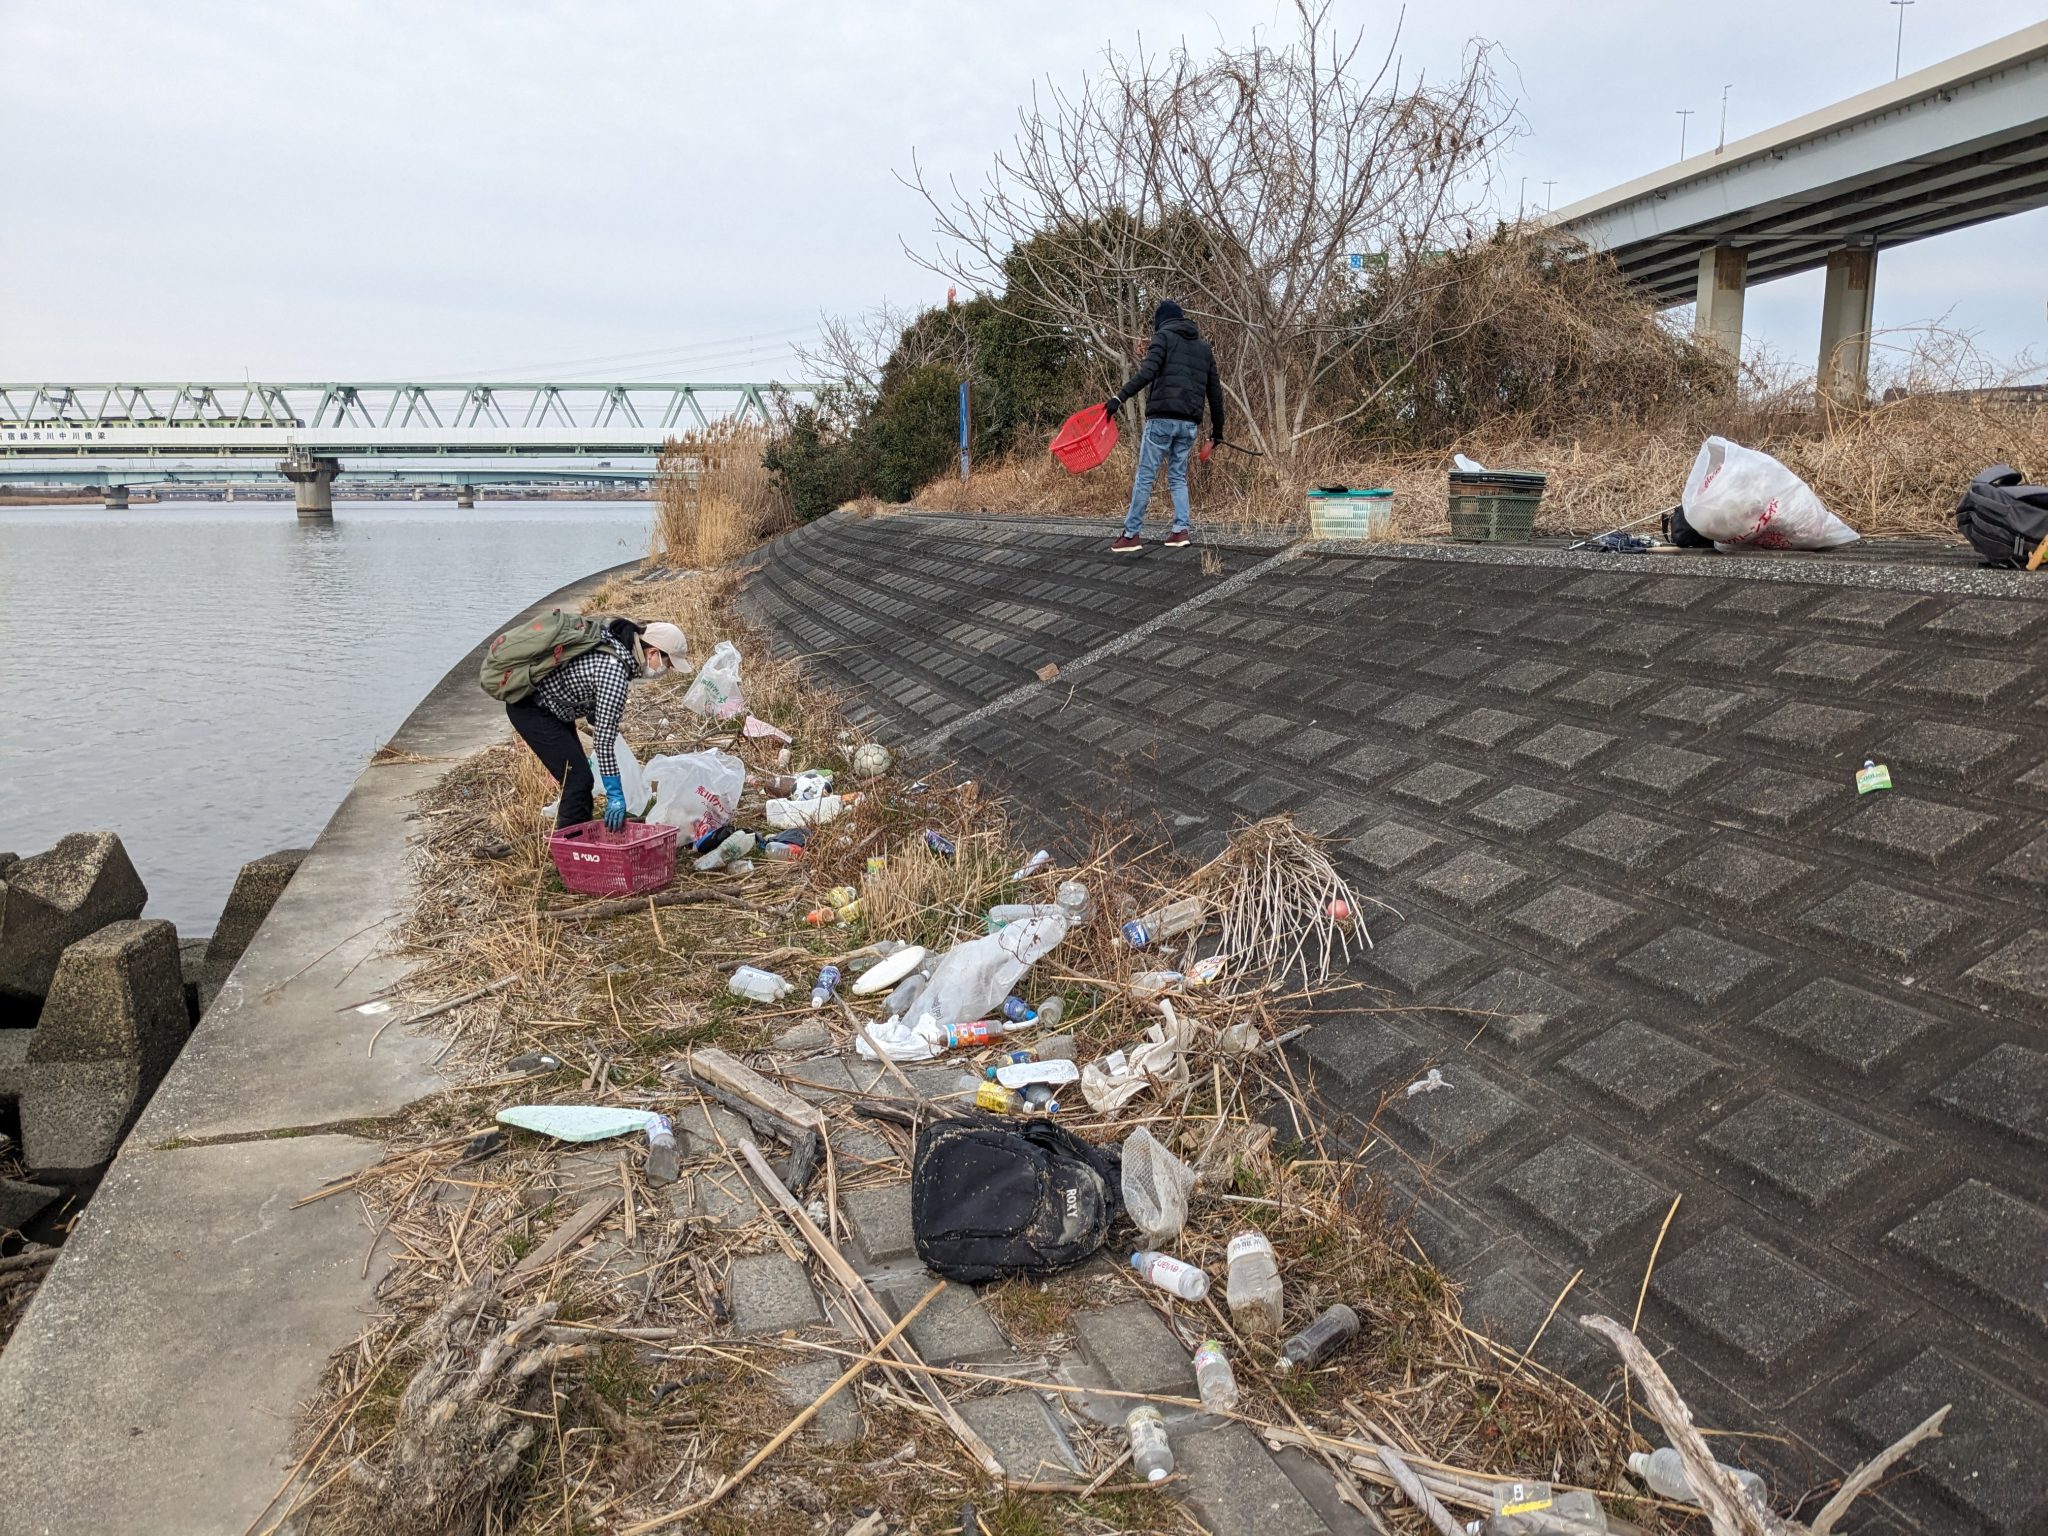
x=1899, y=46
x=1724, y=118
x=1683, y=114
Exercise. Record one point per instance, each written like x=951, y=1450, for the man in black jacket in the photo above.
x=1180, y=371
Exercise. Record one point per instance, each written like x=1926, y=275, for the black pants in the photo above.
x=560, y=751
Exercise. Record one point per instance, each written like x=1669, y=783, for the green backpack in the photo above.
x=520, y=658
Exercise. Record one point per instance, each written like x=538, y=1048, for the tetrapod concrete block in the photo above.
x=118, y=995
x=74, y=1114
x=256, y=891
x=56, y=898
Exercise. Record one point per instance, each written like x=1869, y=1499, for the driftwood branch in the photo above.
x=1865, y=1477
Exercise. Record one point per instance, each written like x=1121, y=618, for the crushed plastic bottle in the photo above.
x=1163, y=923
x=1664, y=1471
x=737, y=846
x=1214, y=1379
x=827, y=985
x=1174, y=1276
x=758, y=985
x=1255, y=1295
x=939, y=843
x=1151, y=1451
x=1053, y=1047
x=897, y=1004
x=1535, y=1509
x=1147, y=985
x=1033, y=865
x=662, y=1163
x=1320, y=1340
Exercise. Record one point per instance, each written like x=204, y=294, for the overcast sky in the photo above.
x=600, y=188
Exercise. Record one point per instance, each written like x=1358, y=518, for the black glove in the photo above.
x=1113, y=404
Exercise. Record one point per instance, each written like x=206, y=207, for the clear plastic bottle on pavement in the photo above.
x=1163, y=923
x=1151, y=1452
x=1320, y=1340
x=1255, y=1293
x=1664, y=1471
x=1174, y=1276
x=759, y=985
x=1214, y=1379
x=663, y=1165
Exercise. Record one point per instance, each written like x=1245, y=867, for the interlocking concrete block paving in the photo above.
x=1021, y=1429
x=881, y=1222
x=771, y=1293
x=1234, y=1485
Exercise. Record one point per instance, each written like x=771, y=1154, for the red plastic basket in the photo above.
x=1085, y=438
x=640, y=856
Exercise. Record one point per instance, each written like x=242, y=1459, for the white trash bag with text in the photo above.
x=1738, y=496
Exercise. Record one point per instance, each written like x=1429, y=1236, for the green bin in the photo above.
x=1336, y=512
x=1494, y=506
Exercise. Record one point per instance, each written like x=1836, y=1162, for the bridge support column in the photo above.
x=1845, y=314
x=312, y=479
x=117, y=498
x=465, y=496
x=1717, y=310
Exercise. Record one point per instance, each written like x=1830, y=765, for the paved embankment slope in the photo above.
x=1652, y=936
x=154, y=1386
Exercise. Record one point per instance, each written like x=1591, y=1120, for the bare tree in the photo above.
x=1238, y=184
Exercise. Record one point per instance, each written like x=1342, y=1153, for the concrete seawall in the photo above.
x=153, y=1387
x=1642, y=921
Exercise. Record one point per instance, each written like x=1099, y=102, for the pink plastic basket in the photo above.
x=1085, y=439
x=640, y=856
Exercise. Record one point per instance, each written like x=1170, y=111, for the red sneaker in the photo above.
x=1127, y=545
x=1180, y=538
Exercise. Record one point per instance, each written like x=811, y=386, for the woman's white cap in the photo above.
x=667, y=639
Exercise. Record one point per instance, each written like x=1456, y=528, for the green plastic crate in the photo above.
x=1494, y=519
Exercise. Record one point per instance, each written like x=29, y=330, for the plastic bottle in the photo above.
x=1008, y=1059
x=1017, y=1011
x=1255, y=1293
x=739, y=868
x=842, y=895
x=759, y=985
x=1240, y=1037
x=1008, y=912
x=828, y=983
x=1151, y=1452
x=1053, y=1047
x=737, y=846
x=1050, y=1011
x=1534, y=1509
x=897, y=1004
x=1319, y=1340
x=1039, y=1096
x=1034, y=864
x=1072, y=899
x=1214, y=1379
x=1664, y=1471
x=939, y=843
x=1163, y=923
x=662, y=1164
x=998, y=1100
x=976, y=1032
x=1147, y=985
x=1171, y=1275
x=782, y=852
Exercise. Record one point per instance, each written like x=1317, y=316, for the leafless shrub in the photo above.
x=1238, y=184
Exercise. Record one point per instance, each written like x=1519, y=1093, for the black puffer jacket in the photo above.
x=1181, y=372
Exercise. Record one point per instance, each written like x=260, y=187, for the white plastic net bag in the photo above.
x=1156, y=1188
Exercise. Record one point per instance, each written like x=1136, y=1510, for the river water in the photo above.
x=207, y=679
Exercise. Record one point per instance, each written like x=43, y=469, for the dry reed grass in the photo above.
x=653, y=1399
x=1893, y=468
x=714, y=500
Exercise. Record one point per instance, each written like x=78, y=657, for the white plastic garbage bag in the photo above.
x=696, y=791
x=716, y=692
x=1156, y=1186
x=632, y=778
x=1738, y=496
x=972, y=980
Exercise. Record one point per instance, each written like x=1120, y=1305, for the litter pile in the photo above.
x=643, y=1276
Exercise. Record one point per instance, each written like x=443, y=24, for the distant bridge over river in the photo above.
x=308, y=429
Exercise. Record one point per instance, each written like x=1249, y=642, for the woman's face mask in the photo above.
x=657, y=662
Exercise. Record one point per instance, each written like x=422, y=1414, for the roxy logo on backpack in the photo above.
x=991, y=1197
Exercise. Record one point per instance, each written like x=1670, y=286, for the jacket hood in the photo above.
x=1184, y=328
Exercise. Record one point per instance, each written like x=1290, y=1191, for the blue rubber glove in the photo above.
x=614, y=803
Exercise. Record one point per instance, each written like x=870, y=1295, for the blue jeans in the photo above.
x=1166, y=442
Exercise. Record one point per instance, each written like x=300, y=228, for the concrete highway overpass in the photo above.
x=1956, y=144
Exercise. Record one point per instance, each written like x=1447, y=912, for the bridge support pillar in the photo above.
x=312, y=479
x=117, y=498
x=465, y=496
x=1845, y=315
x=1717, y=309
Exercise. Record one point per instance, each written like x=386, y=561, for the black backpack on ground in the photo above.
x=2005, y=521
x=992, y=1197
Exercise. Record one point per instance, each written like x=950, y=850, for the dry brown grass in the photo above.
x=1894, y=467
x=714, y=500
